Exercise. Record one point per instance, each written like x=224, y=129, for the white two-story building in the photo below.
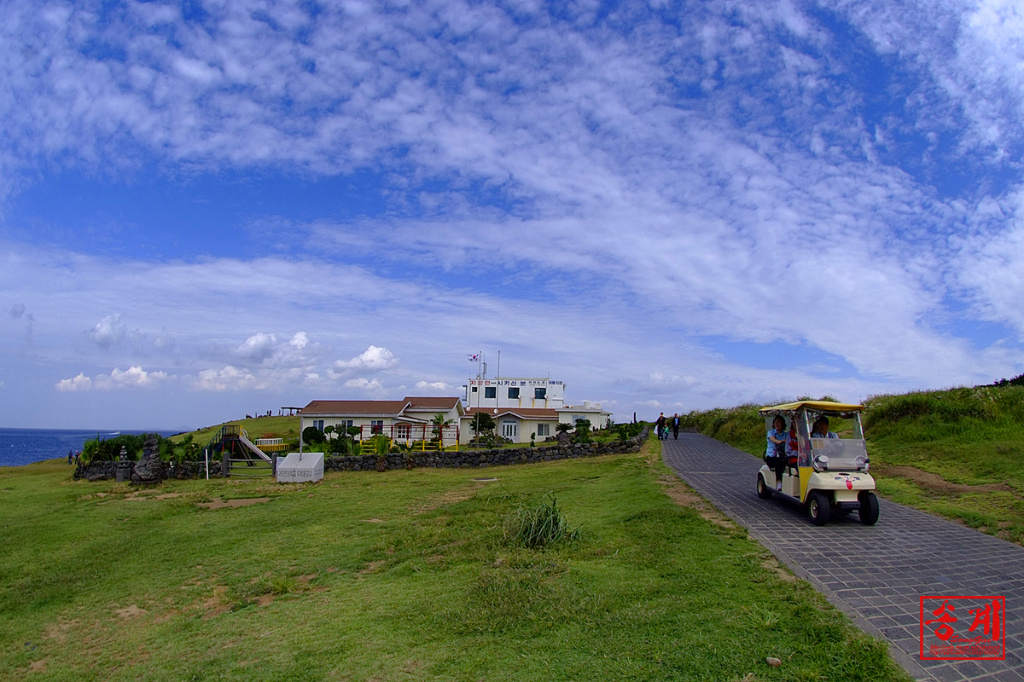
x=522, y=407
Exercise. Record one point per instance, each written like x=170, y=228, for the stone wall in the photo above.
x=107, y=471
x=475, y=459
x=461, y=459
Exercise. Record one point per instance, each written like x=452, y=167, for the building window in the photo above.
x=318, y=424
x=402, y=432
x=473, y=389
x=540, y=393
x=490, y=392
x=543, y=430
x=376, y=426
x=509, y=429
x=513, y=393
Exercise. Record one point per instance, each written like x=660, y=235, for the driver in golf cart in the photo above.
x=820, y=429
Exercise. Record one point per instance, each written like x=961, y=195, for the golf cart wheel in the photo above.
x=818, y=508
x=763, y=491
x=868, y=508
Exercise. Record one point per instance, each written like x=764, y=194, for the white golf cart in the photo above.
x=825, y=461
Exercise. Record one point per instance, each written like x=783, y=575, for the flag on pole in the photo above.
x=474, y=357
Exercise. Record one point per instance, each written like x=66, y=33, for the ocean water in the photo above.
x=24, y=446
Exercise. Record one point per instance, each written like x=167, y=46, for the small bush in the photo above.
x=630, y=430
x=582, y=431
x=539, y=526
x=313, y=436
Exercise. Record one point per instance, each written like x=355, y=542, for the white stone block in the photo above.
x=300, y=468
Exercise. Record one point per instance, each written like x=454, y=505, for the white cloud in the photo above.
x=77, y=383
x=258, y=347
x=373, y=358
x=363, y=384
x=434, y=386
x=227, y=378
x=133, y=377
x=109, y=331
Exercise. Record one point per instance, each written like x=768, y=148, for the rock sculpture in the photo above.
x=149, y=467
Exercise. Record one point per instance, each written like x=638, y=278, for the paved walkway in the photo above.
x=875, y=574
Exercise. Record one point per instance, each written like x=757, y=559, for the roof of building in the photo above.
x=433, y=403
x=337, y=408
x=346, y=407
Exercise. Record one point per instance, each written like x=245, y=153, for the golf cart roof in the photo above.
x=816, y=405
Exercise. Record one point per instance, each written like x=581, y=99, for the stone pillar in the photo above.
x=124, y=467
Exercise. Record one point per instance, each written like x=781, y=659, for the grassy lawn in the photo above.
x=403, y=576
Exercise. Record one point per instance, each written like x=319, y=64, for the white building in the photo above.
x=525, y=406
x=409, y=419
x=515, y=392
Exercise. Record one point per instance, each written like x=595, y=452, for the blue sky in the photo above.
x=221, y=207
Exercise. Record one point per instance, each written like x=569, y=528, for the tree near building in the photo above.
x=483, y=423
x=440, y=424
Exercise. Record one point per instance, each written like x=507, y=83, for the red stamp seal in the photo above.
x=963, y=628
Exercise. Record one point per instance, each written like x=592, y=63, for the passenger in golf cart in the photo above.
x=825, y=470
x=778, y=452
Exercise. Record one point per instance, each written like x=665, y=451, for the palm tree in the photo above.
x=440, y=423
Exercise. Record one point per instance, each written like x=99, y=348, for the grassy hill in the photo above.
x=405, y=575
x=257, y=427
x=958, y=452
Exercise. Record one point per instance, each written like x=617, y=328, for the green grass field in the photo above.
x=404, y=575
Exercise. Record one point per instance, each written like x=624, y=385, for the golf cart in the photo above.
x=824, y=469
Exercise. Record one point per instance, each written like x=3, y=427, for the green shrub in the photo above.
x=627, y=431
x=338, y=446
x=582, y=431
x=313, y=436
x=110, y=449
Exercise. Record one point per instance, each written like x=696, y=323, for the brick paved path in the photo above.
x=875, y=574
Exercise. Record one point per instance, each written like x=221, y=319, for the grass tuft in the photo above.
x=539, y=525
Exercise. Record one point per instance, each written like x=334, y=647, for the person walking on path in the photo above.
x=675, y=426
x=660, y=424
x=71, y=456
